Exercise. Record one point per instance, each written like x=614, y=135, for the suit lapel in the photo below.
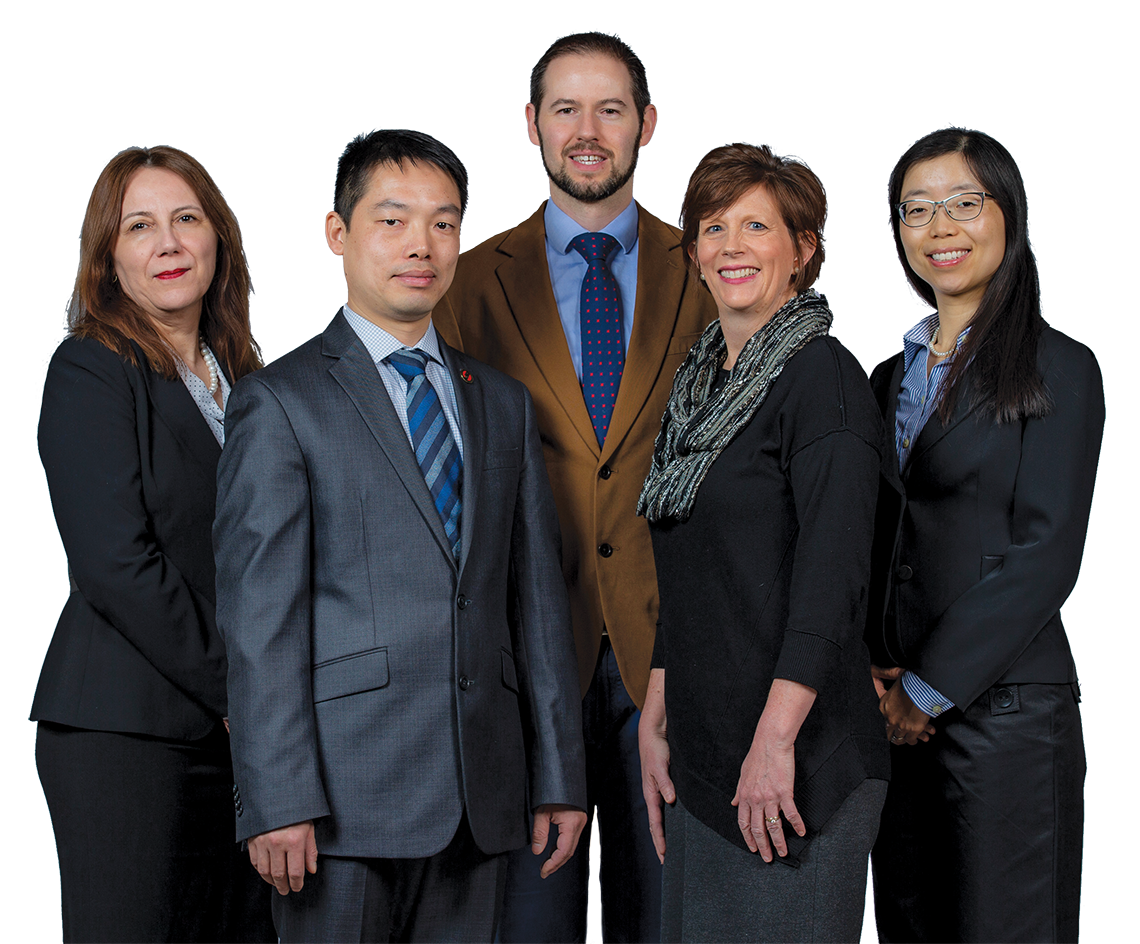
x=933, y=431
x=473, y=426
x=532, y=304
x=885, y=383
x=173, y=402
x=660, y=284
x=354, y=370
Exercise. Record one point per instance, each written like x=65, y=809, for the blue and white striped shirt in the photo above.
x=918, y=399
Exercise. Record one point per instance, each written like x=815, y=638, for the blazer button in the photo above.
x=462, y=602
x=464, y=682
x=1003, y=698
x=605, y=472
x=605, y=550
x=904, y=572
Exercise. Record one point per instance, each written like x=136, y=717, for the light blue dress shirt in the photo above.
x=380, y=344
x=214, y=415
x=918, y=399
x=568, y=268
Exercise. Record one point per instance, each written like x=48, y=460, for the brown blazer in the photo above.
x=501, y=309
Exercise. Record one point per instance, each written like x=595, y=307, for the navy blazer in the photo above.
x=130, y=465
x=979, y=540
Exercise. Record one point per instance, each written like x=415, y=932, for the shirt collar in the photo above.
x=916, y=339
x=560, y=228
x=380, y=343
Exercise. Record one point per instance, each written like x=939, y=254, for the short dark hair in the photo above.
x=726, y=173
x=397, y=147
x=1001, y=349
x=590, y=44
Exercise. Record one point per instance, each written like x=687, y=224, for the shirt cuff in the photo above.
x=930, y=700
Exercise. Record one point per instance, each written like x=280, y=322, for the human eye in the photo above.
x=390, y=222
x=965, y=201
x=445, y=225
x=136, y=226
x=713, y=228
x=915, y=211
x=756, y=226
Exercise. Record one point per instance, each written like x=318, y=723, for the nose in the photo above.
x=940, y=222
x=731, y=244
x=588, y=126
x=168, y=242
x=418, y=243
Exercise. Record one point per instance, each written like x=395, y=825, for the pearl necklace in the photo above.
x=934, y=340
x=211, y=364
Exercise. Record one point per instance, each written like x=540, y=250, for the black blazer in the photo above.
x=979, y=541
x=130, y=465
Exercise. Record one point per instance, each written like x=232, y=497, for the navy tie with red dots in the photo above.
x=603, y=345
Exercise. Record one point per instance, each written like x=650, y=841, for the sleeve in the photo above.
x=549, y=682
x=981, y=634
x=90, y=449
x=261, y=540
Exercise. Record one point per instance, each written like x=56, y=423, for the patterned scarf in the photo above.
x=698, y=425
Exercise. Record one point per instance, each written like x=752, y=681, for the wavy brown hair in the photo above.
x=100, y=310
x=727, y=173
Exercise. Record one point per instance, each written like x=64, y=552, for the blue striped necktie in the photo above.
x=435, y=448
x=603, y=341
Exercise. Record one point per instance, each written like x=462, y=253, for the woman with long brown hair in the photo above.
x=132, y=747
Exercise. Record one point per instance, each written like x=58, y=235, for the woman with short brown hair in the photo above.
x=761, y=501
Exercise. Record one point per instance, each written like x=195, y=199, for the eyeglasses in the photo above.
x=961, y=207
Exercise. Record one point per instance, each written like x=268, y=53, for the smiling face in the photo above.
x=400, y=251
x=588, y=128
x=747, y=258
x=957, y=260
x=165, y=250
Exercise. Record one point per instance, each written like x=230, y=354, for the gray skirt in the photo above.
x=716, y=891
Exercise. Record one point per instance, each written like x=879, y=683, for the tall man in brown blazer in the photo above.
x=524, y=301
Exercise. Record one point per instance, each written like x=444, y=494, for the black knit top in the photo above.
x=768, y=579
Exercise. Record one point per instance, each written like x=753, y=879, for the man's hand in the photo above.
x=570, y=822
x=282, y=856
x=879, y=676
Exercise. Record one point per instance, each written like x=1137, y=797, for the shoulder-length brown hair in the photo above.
x=100, y=310
x=727, y=173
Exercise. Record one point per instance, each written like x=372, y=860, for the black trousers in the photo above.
x=454, y=895
x=144, y=828
x=983, y=827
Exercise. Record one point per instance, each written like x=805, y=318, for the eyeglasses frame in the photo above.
x=942, y=203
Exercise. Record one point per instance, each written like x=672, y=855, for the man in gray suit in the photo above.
x=401, y=684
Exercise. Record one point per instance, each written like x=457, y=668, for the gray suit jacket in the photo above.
x=376, y=686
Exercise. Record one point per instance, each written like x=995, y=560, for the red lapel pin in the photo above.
x=466, y=375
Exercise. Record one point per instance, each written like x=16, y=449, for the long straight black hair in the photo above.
x=1000, y=352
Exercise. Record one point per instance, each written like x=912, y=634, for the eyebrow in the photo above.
x=397, y=205
x=960, y=188
x=189, y=206
x=560, y=102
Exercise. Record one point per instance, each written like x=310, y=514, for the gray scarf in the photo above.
x=698, y=426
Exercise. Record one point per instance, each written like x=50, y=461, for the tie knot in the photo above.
x=409, y=363
x=594, y=247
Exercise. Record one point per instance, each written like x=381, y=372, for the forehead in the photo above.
x=943, y=175
x=412, y=183
x=150, y=187
x=593, y=76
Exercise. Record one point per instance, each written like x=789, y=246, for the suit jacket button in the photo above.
x=1003, y=698
x=904, y=572
x=464, y=682
x=605, y=550
x=462, y=602
x=605, y=472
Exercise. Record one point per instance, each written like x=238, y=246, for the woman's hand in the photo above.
x=906, y=722
x=654, y=749
x=768, y=774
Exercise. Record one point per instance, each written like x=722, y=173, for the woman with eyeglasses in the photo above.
x=997, y=422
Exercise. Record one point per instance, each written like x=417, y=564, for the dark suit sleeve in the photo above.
x=982, y=633
x=544, y=643
x=89, y=445
x=261, y=541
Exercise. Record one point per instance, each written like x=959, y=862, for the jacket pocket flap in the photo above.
x=350, y=675
x=510, y=680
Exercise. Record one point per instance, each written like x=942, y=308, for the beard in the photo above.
x=596, y=190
